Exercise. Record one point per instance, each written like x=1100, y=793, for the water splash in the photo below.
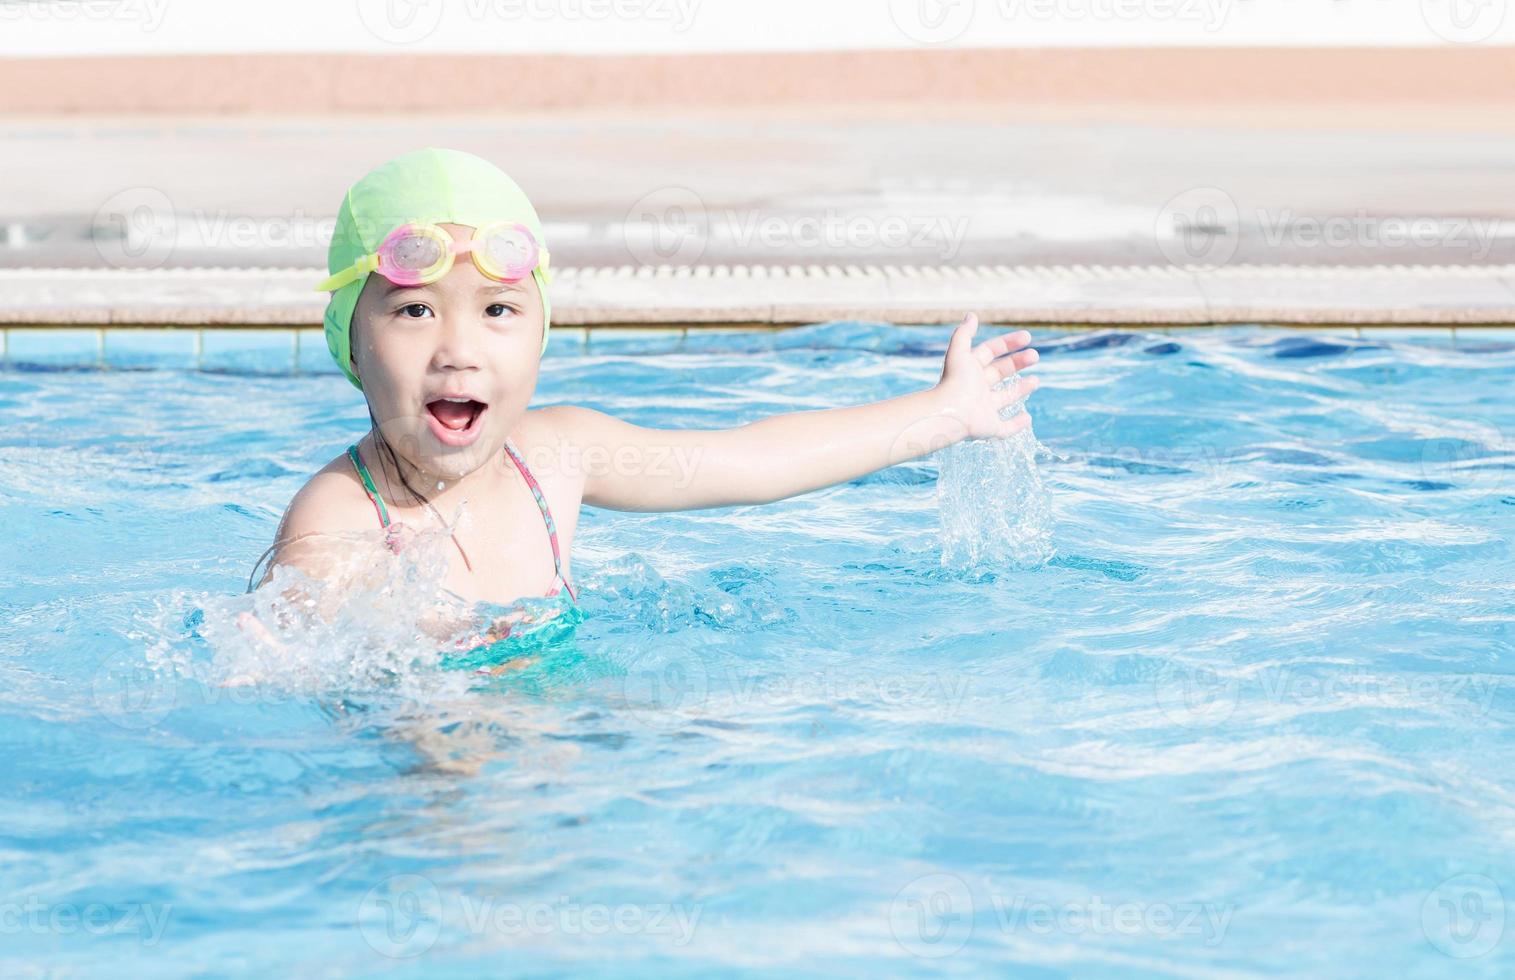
x=994, y=507
x=390, y=628
x=375, y=618
x=732, y=597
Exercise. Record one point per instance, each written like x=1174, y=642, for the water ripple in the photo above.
x=1259, y=702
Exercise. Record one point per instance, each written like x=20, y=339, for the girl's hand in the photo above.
x=254, y=628
x=499, y=629
x=784, y=455
x=398, y=536
x=970, y=373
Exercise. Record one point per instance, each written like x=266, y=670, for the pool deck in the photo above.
x=1164, y=216
x=779, y=296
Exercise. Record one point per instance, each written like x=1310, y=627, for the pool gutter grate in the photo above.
x=696, y=296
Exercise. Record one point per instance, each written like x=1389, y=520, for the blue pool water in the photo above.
x=1253, y=717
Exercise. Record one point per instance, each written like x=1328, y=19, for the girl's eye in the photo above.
x=499, y=309
x=415, y=310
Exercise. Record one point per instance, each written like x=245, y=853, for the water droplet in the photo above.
x=441, y=485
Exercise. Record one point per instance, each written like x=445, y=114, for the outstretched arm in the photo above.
x=628, y=467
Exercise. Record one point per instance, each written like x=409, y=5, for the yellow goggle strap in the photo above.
x=352, y=273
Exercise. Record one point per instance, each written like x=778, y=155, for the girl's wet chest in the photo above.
x=503, y=550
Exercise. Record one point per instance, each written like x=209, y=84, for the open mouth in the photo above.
x=455, y=421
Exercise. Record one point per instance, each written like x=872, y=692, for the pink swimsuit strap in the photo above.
x=558, y=582
x=552, y=527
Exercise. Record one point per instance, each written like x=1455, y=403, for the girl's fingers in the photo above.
x=1011, y=394
x=962, y=336
x=254, y=626
x=1011, y=426
x=1001, y=345
x=1003, y=367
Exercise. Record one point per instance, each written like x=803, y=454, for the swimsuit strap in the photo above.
x=368, y=487
x=552, y=527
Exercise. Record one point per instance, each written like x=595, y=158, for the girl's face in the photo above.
x=449, y=367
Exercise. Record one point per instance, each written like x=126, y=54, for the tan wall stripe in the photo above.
x=306, y=83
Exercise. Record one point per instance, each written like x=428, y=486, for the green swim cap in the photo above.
x=428, y=186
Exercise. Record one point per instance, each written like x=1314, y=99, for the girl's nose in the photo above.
x=458, y=344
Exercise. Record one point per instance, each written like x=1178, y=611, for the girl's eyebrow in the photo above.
x=393, y=287
x=500, y=287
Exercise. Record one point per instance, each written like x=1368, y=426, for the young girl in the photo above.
x=439, y=312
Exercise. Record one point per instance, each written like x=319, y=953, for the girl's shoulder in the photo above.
x=553, y=459
x=568, y=426
x=332, y=500
x=547, y=436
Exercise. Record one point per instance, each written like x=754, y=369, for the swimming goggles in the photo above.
x=416, y=254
